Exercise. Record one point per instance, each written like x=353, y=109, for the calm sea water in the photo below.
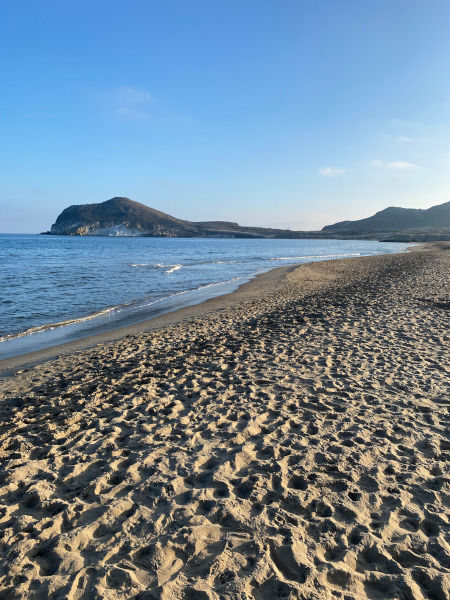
x=55, y=289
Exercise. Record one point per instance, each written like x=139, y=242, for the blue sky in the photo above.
x=283, y=113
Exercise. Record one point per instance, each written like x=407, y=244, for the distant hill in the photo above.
x=125, y=217
x=118, y=216
x=398, y=219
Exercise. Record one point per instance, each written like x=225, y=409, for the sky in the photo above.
x=281, y=113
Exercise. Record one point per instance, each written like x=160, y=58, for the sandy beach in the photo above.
x=289, y=441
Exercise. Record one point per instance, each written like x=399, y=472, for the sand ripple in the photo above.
x=293, y=446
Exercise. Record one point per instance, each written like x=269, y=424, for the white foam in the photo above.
x=173, y=268
x=315, y=256
x=49, y=326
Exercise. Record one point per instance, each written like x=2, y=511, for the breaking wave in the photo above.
x=48, y=326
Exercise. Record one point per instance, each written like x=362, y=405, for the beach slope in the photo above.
x=293, y=444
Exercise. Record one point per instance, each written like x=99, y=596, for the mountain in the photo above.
x=398, y=219
x=125, y=217
x=118, y=216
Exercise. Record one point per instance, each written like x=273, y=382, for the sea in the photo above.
x=56, y=289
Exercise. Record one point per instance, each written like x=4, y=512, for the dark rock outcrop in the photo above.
x=118, y=216
x=125, y=217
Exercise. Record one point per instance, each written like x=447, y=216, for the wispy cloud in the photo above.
x=331, y=172
x=137, y=105
x=127, y=113
x=402, y=139
x=401, y=164
x=128, y=95
x=396, y=165
x=403, y=123
x=131, y=104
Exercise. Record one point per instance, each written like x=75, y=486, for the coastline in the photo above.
x=267, y=280
x=264, y=281
x=143, y=288
x=288, y=440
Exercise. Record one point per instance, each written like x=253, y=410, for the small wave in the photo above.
x=146, y=303
x=150, y=266
x=315, y=256
x=208, y=285
x=216, y=261
x=134, y=304
x=48, y=326
x=223, y=262
x=191, y=263
x=173, y=268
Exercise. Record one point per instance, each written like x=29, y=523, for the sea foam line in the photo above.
x=189, y=264
x=173, y=268
x=136, y=305
x=48, y=326
x=315, y=256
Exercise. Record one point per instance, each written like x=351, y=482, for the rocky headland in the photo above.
x=124, y=217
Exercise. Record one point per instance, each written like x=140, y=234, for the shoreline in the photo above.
x=9, y=366
x=132, y=289
x=293, y=443
x=271, y=278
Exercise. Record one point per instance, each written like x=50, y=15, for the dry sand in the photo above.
x=292, y=444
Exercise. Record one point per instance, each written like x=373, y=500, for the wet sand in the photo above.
x=290, y=441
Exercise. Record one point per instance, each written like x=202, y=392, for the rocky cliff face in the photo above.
x=118, y=216
x=124, y=217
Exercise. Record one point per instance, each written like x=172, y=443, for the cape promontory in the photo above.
x=118, y=216
x=124, y=217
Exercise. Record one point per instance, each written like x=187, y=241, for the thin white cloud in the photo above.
x=137, y=105
x=131, y=104
x=403, y=123
x=401, y=164
x=331, y=172
x=403, y=139
x=396, y=164
x=128, y=95
x=131, y=114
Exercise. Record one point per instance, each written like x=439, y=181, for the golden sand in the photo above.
x=291, y=442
